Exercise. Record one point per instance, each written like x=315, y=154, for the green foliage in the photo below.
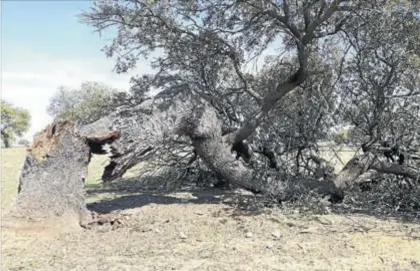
x=87, y=104
x=14, y=122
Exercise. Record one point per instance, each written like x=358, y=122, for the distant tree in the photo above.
x=14, y=122
x=87, y=104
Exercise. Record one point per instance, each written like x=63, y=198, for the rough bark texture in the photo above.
x=352, y=170
x=142, y=129
x=53, y=177
x=205, y=132
x=361, y=168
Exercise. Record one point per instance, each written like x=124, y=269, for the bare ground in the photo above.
x=212, y=230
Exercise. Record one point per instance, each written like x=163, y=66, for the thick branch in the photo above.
x=271, y=156
x=402, y=170
x=359, y=165
x=309, y=35
x=203, y=127
x=268, y=103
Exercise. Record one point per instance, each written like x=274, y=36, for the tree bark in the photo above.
x=355, y=169
x=51, y=185
x=205, y=131
x=204, y=128
x=6, y=139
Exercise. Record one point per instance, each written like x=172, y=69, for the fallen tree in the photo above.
x=355, y=170
x=51, y=185
x=53, y=176
x=202, y=126
x=205, y=51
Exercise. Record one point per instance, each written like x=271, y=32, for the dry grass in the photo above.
x=206, y=231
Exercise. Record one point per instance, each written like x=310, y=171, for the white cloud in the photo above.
x=29, y=80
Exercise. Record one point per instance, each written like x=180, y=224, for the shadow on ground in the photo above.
x=132, y=193
x=142, y=199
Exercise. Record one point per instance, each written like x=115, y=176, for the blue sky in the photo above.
x=44, y=46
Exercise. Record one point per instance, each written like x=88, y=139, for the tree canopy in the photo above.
x=207, y=48
x=348, y=63
x=86, y=104
x=14, y=122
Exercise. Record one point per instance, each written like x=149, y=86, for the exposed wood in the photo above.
x=131, y=132
x=52, y=180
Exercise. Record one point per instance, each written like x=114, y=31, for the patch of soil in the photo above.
x=194, y=231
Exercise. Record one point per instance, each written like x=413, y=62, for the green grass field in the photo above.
x=204, y=230
x=12, y=162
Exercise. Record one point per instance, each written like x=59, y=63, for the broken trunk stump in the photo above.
x=52, y=181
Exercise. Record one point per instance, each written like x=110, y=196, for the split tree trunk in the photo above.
x=52, y=180
x=140, y=132
x=53, y=177
x=51, y=188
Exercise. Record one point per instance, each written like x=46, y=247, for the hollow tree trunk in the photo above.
x=140, y=131
x=52, y=180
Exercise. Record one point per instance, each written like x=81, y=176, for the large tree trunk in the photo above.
x=51, y=188
x=141, y=130
x=204, y=129
x=51, y=185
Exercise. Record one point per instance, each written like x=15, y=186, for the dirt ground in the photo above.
x=208, y=230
